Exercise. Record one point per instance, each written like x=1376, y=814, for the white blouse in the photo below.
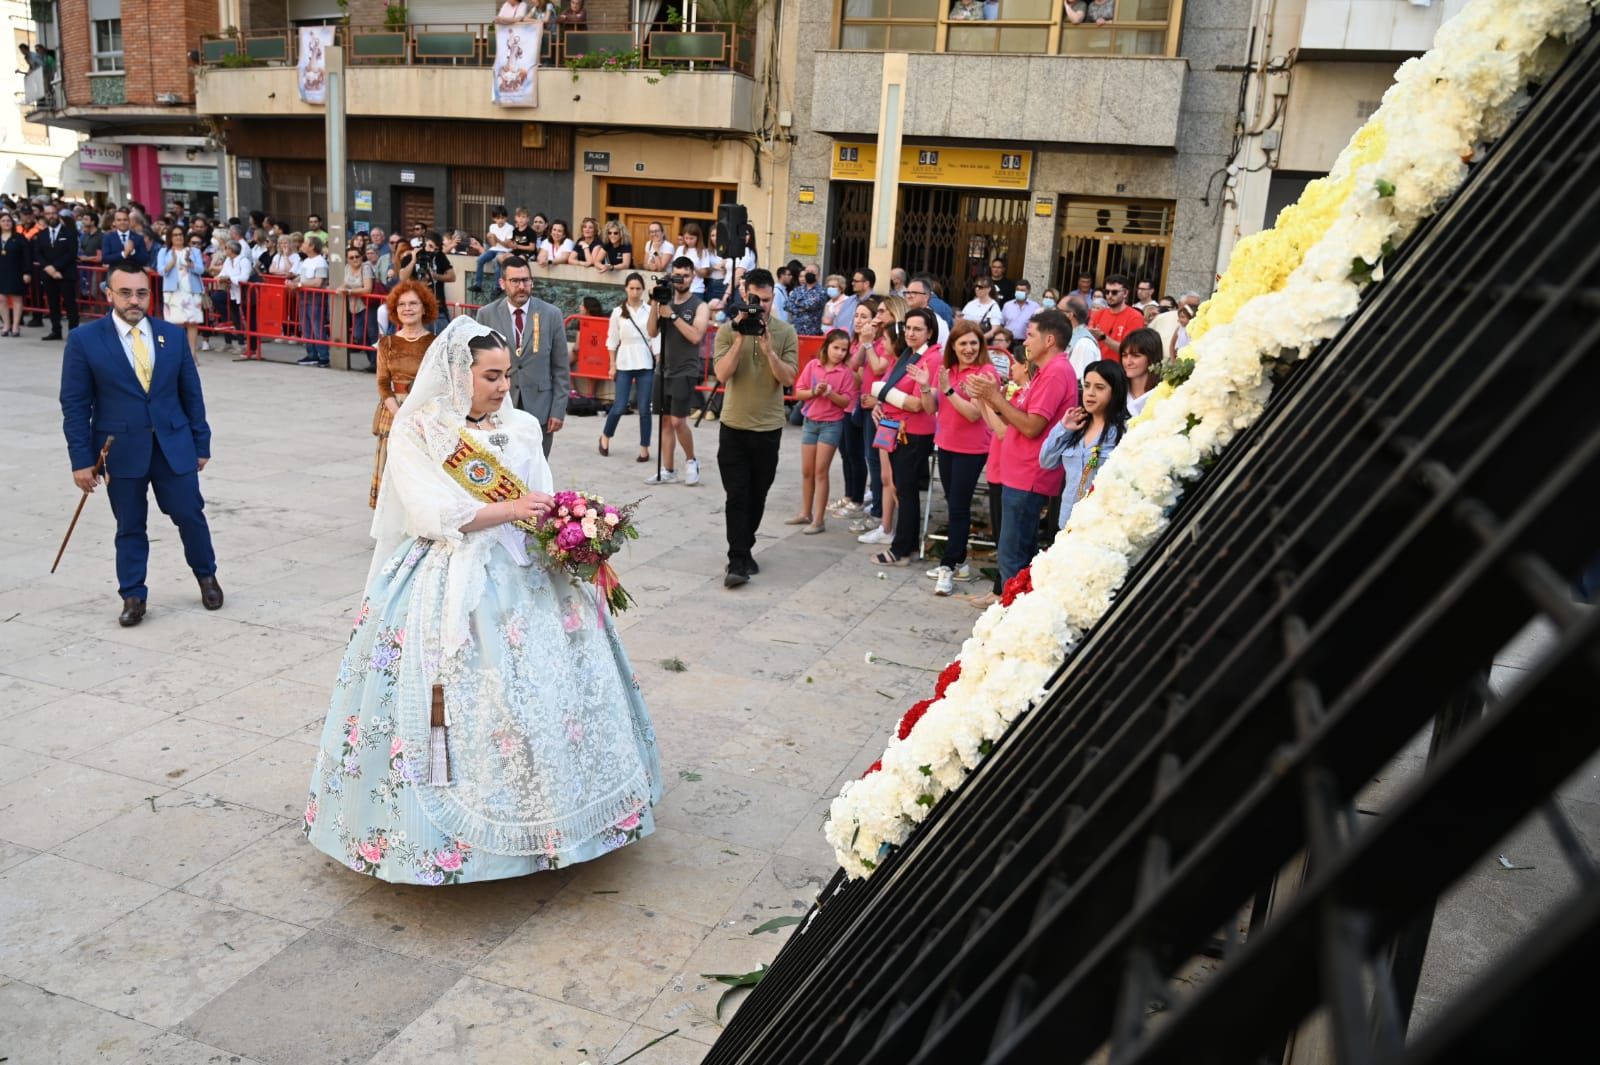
x=634, y=348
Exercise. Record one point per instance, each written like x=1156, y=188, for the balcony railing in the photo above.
x=1018, y=27
x=600, y=46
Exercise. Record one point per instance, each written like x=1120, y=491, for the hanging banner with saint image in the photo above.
x=313, y=66
x=516, y=64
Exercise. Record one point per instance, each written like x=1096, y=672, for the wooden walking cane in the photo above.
x=99, y=469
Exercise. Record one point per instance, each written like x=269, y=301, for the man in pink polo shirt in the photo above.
x=1051, y=391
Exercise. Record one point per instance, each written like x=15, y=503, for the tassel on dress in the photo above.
x=438, y=746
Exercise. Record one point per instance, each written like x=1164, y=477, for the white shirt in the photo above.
x=652, y=250
x=125, y=334
x=235, y=271
x=1083, y=353
x=986, y=315
x=635, y=349
x=545, y=245
x=500, y=234
x=1136, y=403
x=312, y=270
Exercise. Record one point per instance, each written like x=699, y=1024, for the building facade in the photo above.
x=648, y=112
x=1063, y=147
x=1319, y=70
x=33, y=157
x=121, y=77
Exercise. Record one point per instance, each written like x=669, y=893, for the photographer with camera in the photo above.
x=680, y=319
x=756, y=358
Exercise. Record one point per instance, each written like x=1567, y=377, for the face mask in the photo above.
x=1022, y=295
x=721, y=317
x=833, y=291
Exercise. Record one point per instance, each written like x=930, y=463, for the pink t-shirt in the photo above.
x=840, y=378
x=991, y=469
x=955, y=432
x=920, y=422
x=1052, y=390
x=865, y=352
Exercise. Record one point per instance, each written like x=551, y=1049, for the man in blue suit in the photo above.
x=134, y=378
x=122, y=245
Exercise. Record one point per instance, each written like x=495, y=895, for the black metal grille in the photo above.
x=1418, y=491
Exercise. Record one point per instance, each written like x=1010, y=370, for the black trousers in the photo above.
x=748, y=462
x=995, y=514
x=59, y=291
x=909, y=462
x=959, y=474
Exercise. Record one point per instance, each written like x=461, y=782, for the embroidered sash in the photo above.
x=482, y=475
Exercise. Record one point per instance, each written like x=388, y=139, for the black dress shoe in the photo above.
x=751, y=567
x=735, y=577
x=51, y=336
x=132, y=613
x=210, y=593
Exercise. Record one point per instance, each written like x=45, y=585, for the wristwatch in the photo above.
x=949, y=391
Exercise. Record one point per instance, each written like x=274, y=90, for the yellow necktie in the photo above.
x=141, y=358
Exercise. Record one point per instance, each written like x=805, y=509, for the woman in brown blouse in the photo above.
x=412, y=305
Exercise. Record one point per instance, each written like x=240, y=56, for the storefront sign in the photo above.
x=597, y=162
x=1044, y=206
x=408, y=177
x=189, y=179
x=804, y=243
x=246, y=170
x=186, y=157
x=808, y=194
x=363, y=199
x=516, y=64
x=105, y=158
x=973, y=168
x=313, y=66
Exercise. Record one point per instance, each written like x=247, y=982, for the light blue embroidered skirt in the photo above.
x=551, y=752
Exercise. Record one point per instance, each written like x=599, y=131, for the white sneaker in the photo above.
x=205, y=345
x=664, y=477
x=944, y=584
x=691, y=472
x=875, y=535
x=962, y=573
x=866, y=499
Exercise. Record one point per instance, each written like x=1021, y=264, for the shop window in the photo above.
x=1018, y=27
x=108, y=46
x=1105, y=237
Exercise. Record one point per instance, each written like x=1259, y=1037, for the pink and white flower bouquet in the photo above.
x=581, y=533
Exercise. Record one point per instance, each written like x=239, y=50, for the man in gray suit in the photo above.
x=540, y=375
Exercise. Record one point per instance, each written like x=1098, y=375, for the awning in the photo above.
x=74, y=178
x=46, y=168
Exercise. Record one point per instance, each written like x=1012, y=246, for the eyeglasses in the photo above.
x=131, y=293
x=517, y=280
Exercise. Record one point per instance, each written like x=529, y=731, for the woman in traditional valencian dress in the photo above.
x=485, y=722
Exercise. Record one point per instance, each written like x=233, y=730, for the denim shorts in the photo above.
x=815, y=432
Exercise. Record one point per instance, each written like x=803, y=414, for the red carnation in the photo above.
x=951, y=674
x=913, y=715
x=873, y=768
x=1019, y=585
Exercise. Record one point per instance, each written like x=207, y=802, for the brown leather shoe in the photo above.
x=132, y=613
x=210, y=593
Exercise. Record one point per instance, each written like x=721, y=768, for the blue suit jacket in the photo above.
x=111, y=251
x=101, y=395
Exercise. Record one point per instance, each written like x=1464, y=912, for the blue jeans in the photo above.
x=869, y=430
x=1019, y=529
x=489, y=256
x=314, y=323
x=638, y=383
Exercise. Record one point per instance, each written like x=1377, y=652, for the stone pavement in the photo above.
x=158, y=905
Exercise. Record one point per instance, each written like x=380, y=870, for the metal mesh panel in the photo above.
x=1417, y=492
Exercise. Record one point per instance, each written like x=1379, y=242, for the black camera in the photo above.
x=755, y=316
x=660, y=290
